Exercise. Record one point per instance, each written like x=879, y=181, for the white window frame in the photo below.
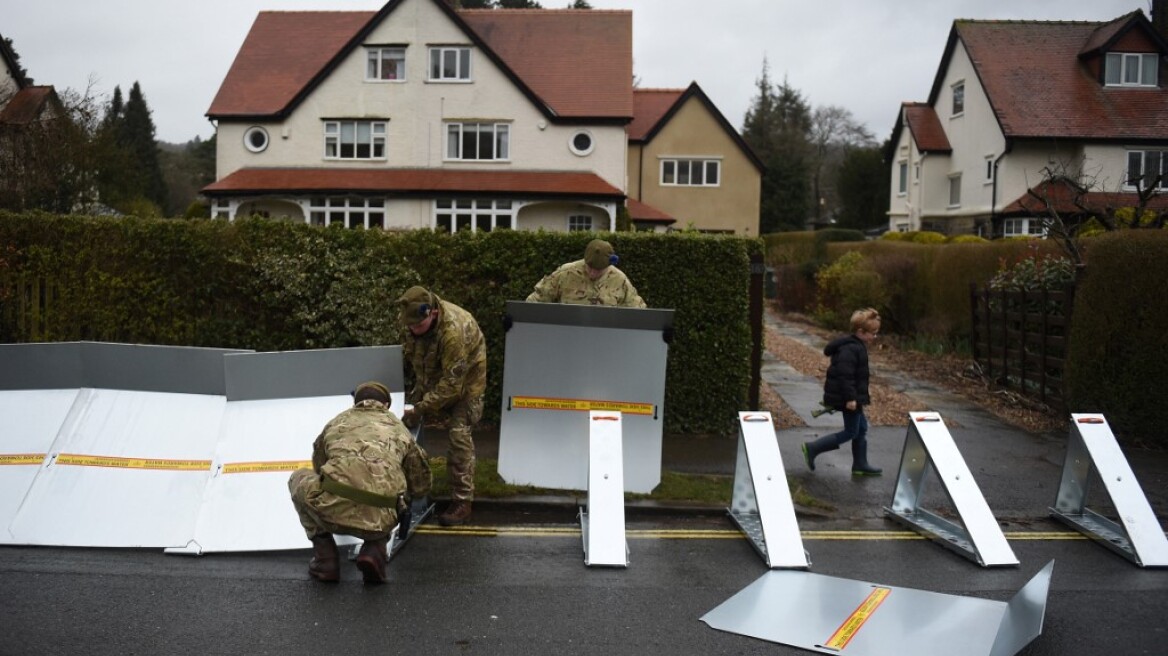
x=989, y=169
x=1023, y=227
x=335, y=134
x=671, y=171
x=1141, y=164
x=253, y=131
x=375, y=60
x=582, y=152
x=1131, y=69
x=454, y=214
x=958, y=98
x=916, y=173
x=437, y=61
x=456, y=149
x=902, y=174
x=350, y=211
x=955, y=186
x=580, y=223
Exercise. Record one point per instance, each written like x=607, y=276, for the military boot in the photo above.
x=371, y=560
x=323, y=566
x=456, y=513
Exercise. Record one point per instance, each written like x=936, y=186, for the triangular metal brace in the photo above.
x=1137, y=536
x=929, y=447
x=762, y=506
x=603, y=532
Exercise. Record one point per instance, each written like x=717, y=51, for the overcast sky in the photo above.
x=867, y=56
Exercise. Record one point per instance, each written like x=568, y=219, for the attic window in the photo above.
x=256, y=139
x=450, y=64
x=959, y=98
x=1127, y=69
x=386, y=64
x=581, y=143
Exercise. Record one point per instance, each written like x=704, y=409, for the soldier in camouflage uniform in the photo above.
x=365, y=464
x=444, y=347
x=594, y=280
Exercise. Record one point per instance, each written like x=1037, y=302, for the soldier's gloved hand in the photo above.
x=411, y=418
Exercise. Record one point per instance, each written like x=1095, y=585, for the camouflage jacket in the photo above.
x=570, y=284
x=368, y=448
x=449, y=362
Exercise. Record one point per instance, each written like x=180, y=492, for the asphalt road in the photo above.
x=508, y=586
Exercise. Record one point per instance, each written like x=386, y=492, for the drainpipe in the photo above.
x=994, y=188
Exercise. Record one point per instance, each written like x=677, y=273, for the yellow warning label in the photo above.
x=584, y=405
x=851, y=626
x=21, y=458
x=269, y=466
x=132, y=463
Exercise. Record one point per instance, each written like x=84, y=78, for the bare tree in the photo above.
x=833, y=130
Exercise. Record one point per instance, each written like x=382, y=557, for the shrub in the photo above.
x=927, y=237
x=845, y=285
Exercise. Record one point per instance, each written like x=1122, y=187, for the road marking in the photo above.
x=711, y=534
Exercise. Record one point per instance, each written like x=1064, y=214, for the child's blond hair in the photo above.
x=867, y=319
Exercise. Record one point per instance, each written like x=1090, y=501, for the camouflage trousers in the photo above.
x=460, y=459
x=325, y=512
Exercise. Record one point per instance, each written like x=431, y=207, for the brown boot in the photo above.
x=323, y=566
x=371, y=560
x=456, y=513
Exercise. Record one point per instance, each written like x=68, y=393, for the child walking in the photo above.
x=846, y=390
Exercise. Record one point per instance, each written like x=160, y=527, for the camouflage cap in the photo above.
x=599, y=255
x=415, y=305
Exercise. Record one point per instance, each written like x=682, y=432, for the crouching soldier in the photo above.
x=365, y=465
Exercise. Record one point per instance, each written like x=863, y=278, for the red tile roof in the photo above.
x=1040, y=88
x=1062, y=197
x=925, y=128
x=644, y=212
x=411, y=182
x=27, y=105
x=577, y=63
x=649, y=106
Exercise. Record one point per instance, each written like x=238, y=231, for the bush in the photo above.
x=966, y=239
x=848, y=284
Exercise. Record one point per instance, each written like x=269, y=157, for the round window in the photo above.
x=256, y=139
x=581, y=143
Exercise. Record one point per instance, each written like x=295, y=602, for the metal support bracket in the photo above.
x=762, y=506
x=1137, y=536
x=603, y=532
x=928, y=446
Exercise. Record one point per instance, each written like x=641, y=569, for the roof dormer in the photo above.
x=1126, y=53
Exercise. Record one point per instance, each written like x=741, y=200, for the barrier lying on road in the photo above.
x=602, y=523
x=928, y=446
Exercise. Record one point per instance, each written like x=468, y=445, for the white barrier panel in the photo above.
x=928, y=446
x=1137, y=536
x=762, y=506
x=832, y=615
x=36, y=418
x=603, y=524
x=128, y=469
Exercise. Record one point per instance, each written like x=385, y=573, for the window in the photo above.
x=386, y=64
x=450, y=64
x=691, y=172
x=256, y=139
x=354, y=139
x=959, y=98
x=902, y=185
x=474, y=215
x=1023, y=228
x=955, y=190
x=989, y=168
x=581, y=143
x=916, y=172
x=351, y=212
x=1123, y=69
x=478, y=141
x=902, y=227
x=579, y=223
x=1146, y=169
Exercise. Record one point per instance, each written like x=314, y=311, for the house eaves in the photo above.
x=695, y=91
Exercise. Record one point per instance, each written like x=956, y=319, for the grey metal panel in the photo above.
x=148, y=368
x=808, y=610
x=41, y=366
x=549, y=448
x=321, y=372
x=592, y=316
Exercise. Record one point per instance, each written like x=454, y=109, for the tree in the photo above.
x=20, y=70
x=518, y=4
x=580, y=4
x=862, y=181
x=472, y=4
x=777, y=126
x=833, y=131
x=138, y=130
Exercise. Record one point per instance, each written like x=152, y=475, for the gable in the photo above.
x=652, y=102
x=649, y=106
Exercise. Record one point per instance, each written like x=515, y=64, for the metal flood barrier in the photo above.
x=831, y=615
x=929, y=447
x=190, y=452
x=563, y=361
x=602, y=523
x=1092, y=447
x=761, y=505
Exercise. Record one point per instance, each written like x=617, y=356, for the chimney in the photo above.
x=1160, y=17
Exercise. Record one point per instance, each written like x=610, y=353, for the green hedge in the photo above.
x=1117, y=360
x=271, y=285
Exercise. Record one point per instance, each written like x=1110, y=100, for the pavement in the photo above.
x=1018, y=472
